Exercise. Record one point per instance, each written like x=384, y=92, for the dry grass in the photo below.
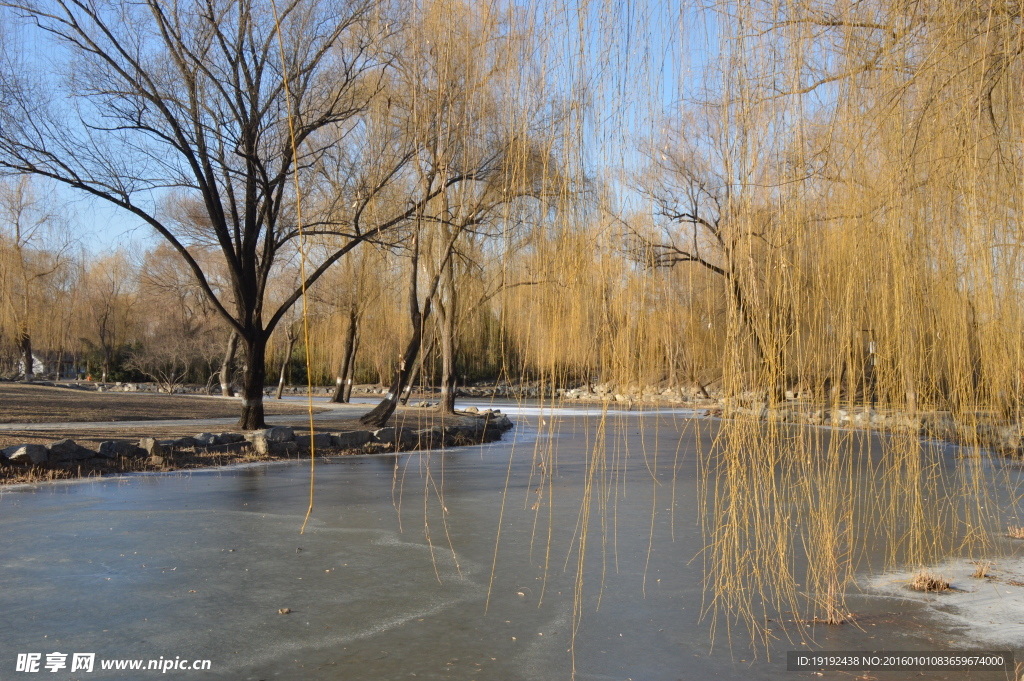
x=1015, y=532
x=981, y=569
x=929, y=583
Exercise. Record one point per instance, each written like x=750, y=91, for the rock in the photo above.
x=283, y=449
x=151, y=447
x=349, y=439
x=430, y=437
x=229, y=438
x=400, y=437
x=279, y=434
x=499, y=421
x=264, y=445
x=66, y=451
x=27, y=453
x=206, y=439
x=112, y=449
x=163, y=461
x=320, y=441
x=471, y=410
x=158, y=455
x=260, y=443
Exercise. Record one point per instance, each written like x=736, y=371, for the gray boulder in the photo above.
x=27, y=453
x=181, y=443
x=112, y=449
x=230, y=438
x=66, y=451
x=430, y=437
x=206, y=439
x=349, y=439
x=279, y=434
x=260, y=443
x=152, y=447
x=284, y=448
x=267, y=447
x=320, y=441
x=499, y=420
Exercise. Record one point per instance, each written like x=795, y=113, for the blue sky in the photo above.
x=637, y=58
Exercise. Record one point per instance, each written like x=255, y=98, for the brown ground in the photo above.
x=41, y=404
x=20, y=403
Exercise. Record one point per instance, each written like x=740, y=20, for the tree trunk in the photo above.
x=446, y=307
x=347, y=356
x=225, y=368
x=448, y=378
x=350, y=378
x=253, y=378
x=416, y=375
x=292, y=336
x=25, y=340
x=380, y=414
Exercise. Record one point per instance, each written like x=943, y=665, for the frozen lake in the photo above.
x=392, y=576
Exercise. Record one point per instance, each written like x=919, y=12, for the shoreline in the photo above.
x=136, y=449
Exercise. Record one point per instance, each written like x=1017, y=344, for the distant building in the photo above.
x=38, y=365
x=65, y=366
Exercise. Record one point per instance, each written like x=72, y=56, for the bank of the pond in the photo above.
x=119, y=449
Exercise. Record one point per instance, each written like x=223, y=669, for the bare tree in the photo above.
x=180, y=332
x=712, y=208
x=192, y=98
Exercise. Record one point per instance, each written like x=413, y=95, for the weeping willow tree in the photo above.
x=843, y=180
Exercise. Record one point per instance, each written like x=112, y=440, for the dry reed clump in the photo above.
x=929, y=583
x=981, y=569
x=1015, y=532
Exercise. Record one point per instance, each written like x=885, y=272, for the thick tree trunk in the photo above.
x=253, y=378
x=25, y=341
x=380, y=414
x=343, y=383
x=225, y=368
x=292, y=336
